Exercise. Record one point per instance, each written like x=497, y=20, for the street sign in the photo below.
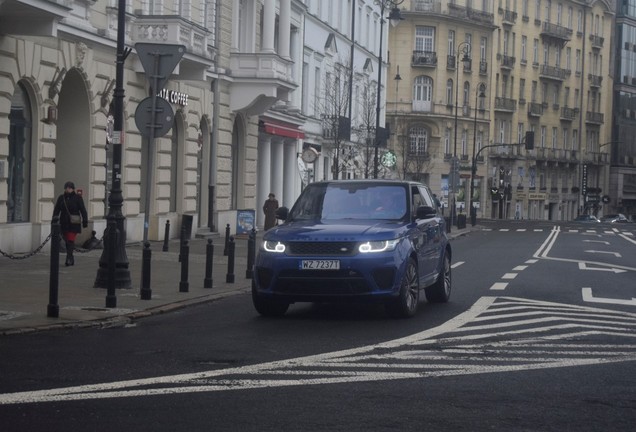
x=160, y=121
x=159, y=60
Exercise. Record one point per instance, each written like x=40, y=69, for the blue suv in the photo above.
x=355, y=240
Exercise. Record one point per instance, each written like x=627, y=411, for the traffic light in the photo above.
x=529, y=140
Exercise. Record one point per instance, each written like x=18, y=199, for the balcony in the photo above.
x=568, y=114
x=596, y=158
x=552, y=72
x=535, y=109
x=556, y=32
x=597, y=41
x=595, y=80
x=178, y=31
x=33, y=18
x=483, y=67
x=424, y=59
x=505, y=104
x=509, y=17
x=259, y=80
x=469, y=14
x=507, y=62
x=594, y=117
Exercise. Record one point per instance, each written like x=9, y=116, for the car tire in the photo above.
x=405, y=306
x=440, y=291
x=268, y=307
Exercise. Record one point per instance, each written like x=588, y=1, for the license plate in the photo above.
x=320, y=265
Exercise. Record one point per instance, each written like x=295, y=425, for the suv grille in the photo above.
x=323, y=248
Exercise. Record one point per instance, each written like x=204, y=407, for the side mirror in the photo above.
x=425, y=212
x=281, y=213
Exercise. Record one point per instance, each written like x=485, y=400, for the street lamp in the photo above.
x=395, y=17
x=462, y=48
x=113, y=264
x=481, y=96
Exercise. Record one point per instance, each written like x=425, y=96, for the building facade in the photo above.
x=623, y=170
x=57, y=78
x=477, y=76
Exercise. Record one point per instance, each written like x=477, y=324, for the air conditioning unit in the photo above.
x=625, y=79
x=101, y=32
x=139, y=11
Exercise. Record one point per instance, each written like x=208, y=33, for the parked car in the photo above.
x=615, y=218
x=586, y=218
x=355, y=240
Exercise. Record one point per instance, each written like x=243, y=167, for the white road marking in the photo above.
x=504, y=230
x=596, y=241
x=589, y=297
x=616, y=254
x=457, y=264
x=531, y=261
x=521, y=229
x=583, y=266
x=553, y=336
x=499, y=286
x=520, y=268
x=509, y=276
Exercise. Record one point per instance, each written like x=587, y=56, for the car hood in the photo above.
x=337, y=230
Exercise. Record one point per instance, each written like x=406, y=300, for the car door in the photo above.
x=426, y=243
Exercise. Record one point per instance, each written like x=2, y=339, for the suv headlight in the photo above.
x=273, y=246
x=378, y=246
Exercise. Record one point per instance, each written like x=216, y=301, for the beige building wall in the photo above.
x=546, y=68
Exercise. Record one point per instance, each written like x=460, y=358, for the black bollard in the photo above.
x=182, y=239
x=146, y=291
x=251, y=252
x=166, y=236
x=229, y=278
x=227, y=239
x=113, y=234
x=185, y=250
x=209, y=262
x=53, y=309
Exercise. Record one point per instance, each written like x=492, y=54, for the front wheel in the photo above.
x=440, y=291
x=405, y=305
x=268, y=307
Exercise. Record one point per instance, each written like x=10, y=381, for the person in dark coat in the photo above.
x=67, y=204
x=269, y=208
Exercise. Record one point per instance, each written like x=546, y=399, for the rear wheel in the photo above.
x=268, y=307
x=405, y=305
x=440, y=291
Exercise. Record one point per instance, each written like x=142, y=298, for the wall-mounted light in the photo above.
x=58, y=76
x=108, y=88
x=51, y=115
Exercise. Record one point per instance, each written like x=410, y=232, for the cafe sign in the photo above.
x=174, y=97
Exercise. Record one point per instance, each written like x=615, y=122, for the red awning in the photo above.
x=283, y=129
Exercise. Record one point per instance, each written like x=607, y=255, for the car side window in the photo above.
x=416, y=199
x=427, y=198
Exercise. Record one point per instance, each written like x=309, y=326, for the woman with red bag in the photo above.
x=73, y=216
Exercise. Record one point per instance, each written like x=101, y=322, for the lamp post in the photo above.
x=394, y=16
x=463, y=48
x=479, y=95
x=115, y=226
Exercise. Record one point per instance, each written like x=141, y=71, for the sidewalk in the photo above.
x=24, y=286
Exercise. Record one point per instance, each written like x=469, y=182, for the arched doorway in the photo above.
x=73, y=146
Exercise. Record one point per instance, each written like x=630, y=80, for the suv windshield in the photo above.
x=335, y=201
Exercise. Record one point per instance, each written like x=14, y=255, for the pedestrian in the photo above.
x=73, y=216
x=269, y=208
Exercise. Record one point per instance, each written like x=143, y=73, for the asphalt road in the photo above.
x=539, y=336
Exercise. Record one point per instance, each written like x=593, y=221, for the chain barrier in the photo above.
x=25, y=255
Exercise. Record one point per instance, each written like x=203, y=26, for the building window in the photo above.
x=418, y=141
x=422, y=93
x=424, y=38
x=447, y=140
x=19, y=160
x=449, y=92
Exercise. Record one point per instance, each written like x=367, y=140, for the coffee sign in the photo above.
x=174, y=97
